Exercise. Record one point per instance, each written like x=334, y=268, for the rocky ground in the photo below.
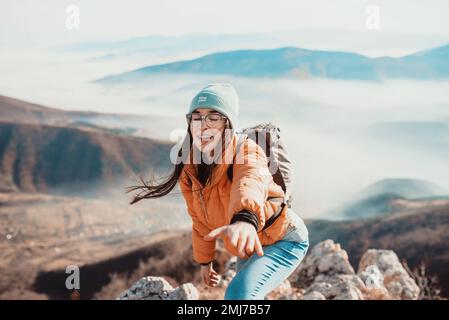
x=325, y=274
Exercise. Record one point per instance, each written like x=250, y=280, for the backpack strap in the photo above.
x=229, y=172
x=281, y=200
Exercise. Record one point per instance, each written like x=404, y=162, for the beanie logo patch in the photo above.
x=202, y=98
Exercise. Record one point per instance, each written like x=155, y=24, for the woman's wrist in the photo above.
x=246, y=216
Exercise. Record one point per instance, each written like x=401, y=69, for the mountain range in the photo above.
x=293, y=62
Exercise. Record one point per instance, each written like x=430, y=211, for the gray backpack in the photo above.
x=267, y=136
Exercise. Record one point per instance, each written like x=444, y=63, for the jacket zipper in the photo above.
x=203, y=206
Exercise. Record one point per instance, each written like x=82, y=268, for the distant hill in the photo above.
x=409, y=188
x=377, y=199
x=19, y=111
x=302, y=63
x=63, y=159
x=417, y=230
x=428, y=64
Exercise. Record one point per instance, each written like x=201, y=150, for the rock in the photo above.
x=327, y=271
x=157, y=288
x=327, y=274
x=326, y=258
x=373, y=280
x=284, y=287
x=313, y=295
x=324, y=274
x=381, y=269
x=284, y=292
x=338, y=287
x=372, y=277
x=186, y=291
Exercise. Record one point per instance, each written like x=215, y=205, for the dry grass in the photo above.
x=429, y=287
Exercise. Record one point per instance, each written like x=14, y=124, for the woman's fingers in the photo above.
x=212, y=271
x=214, y=278
x=235, y=238
x=215, y=233
x=214, y=284
x=258, y=246
x=210, y=277
x=250, y=246
x=241, y=245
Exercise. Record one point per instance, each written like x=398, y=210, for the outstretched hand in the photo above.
x=242, y=235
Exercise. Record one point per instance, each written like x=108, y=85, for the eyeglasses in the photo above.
x=211, y=119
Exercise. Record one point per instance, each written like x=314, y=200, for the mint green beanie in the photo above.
x=220, y=97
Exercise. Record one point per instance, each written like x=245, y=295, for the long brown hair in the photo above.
x=153, y=189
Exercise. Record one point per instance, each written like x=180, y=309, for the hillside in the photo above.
x=378, y=198
x=68, y=160
x=19, y=111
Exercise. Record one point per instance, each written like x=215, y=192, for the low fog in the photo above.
x=334, y=130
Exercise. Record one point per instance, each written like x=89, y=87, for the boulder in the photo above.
x=157, y=288
x=338, y=287
x=326, y=258
x=382, y=269
x=313, y=295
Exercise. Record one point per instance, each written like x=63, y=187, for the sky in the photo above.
x=42, y=23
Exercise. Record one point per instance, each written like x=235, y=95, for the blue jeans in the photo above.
x=257, y=276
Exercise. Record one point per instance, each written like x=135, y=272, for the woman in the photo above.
x=269, y=239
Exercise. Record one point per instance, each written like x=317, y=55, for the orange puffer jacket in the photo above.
x=214, y=205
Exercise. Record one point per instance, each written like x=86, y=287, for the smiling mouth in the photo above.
x=205, y=138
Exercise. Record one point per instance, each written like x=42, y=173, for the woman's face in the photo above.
x=206, y=134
